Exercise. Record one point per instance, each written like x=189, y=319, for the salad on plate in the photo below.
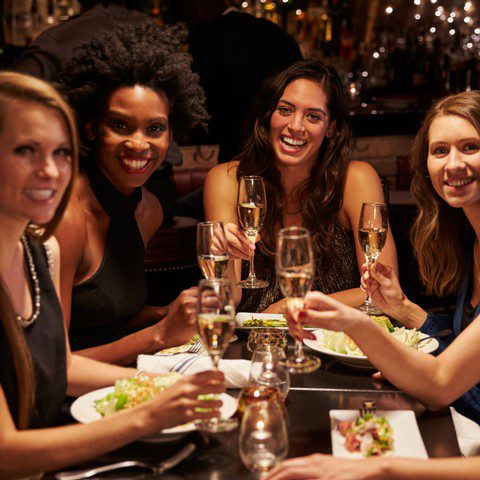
x=130, y=392
x=341, y=343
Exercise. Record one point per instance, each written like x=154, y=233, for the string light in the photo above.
x=389, y=10
x=451, y=32
x=467, y=19
x=418, y=16
x=450, y=19
x=244, y=4
x=376, y=55
x=417, y=2
x=468, y=6
x=433, y=30
x=298, y=12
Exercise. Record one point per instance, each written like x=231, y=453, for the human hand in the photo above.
x=292, y=309
x=239, y=245
x=179, y=403
x=326, y=467
x=320, y=310
x=384, y=288
x=179, y=325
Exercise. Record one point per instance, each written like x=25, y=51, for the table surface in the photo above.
x=311, y=397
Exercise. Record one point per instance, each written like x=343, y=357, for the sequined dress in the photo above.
x=342, y=275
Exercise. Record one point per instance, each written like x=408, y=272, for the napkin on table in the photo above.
x=236, y=371
x=468, y=434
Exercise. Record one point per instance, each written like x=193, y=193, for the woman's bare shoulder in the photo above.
x=361, y=171
x=223, y=172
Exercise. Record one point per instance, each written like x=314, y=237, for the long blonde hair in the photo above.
x=440, y=233
x=14, y=87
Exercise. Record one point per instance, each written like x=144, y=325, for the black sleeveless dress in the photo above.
x=46, y=340
x=103, y=305
x=342, y=275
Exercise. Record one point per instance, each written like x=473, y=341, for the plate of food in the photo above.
x=344, y=349
x=130, y=392
x=391, y=433
x=249, y=321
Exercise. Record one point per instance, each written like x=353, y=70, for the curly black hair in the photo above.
x=145, y=55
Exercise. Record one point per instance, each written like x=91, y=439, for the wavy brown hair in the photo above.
x=441, y=234
x=321, y=195
x=16, y=87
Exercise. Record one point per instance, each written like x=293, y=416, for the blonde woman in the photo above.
x=38, y=164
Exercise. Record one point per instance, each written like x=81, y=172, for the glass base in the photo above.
x=252, y=283
x=217, y=425
x=370, y=309
x=305, y=364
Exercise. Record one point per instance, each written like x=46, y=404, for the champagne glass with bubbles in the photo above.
x=212, y=249
x=372, y=234
x=295, y=270
x=215, y=322
x=251, y=205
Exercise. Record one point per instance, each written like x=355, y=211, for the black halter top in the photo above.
x=45, y=339
x=104, y=304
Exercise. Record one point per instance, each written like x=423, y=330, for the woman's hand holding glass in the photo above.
x=239, y=244
x=181, y=404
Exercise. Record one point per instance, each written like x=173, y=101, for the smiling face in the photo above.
x=454, y=161
x=35, y=162
x=300, y=123
x=133, y=136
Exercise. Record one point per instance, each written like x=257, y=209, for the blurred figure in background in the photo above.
x=233, y=52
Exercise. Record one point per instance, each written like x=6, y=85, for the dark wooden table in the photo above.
x=311, y=397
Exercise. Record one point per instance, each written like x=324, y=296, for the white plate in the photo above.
x=244, y=316
x=83, y=410
x=428, y=346
x=408, y=442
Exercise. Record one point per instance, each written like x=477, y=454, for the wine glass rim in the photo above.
x=373, y=204
x=294, y=232
x=251, y=176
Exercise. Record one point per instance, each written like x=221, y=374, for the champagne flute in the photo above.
x=215, y=322
x=263, y=439
x=295, y=269
x=212, y=249
x=372, y=234
x=252, y=205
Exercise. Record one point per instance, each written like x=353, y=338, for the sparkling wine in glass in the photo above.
x=372, y=234
x=251, y=206
x=212, y=249
x=295, y=270
x=263, y=439
x=215, y=322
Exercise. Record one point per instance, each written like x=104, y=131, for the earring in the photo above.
x=90, y=136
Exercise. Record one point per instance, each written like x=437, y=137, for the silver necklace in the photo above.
x=26, y=322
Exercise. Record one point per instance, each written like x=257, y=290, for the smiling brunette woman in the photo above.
x=133, y=89
x=300, y=146
x=38, y=164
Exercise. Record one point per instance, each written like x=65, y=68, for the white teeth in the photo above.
x=459, y=183
x=293, y=142
x=134, y=164
x=40, y=193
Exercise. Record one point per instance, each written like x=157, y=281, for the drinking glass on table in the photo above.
x=268, y=369
x=212, y=249
x=295, y=270
x=215, y=322
x=251, y=205
x=263, y=439
x=372, y=234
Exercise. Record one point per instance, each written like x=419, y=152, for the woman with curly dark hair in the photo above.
x=300, y=146
x=132, y=89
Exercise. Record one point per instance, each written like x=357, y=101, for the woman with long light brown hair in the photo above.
x=38, y=165
x=300, y=145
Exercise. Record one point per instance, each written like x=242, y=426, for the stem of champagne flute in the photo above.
x=251, y=270
x=368, y=296
x=299, y=349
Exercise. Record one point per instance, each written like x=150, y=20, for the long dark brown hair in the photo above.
x=321, y=195
x=441, y=233
x=16, y=87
